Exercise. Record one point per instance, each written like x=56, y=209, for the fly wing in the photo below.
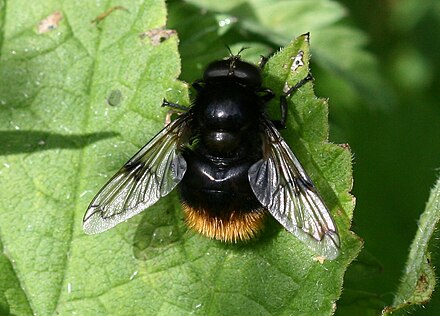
x=281, y=185
x=149, y=175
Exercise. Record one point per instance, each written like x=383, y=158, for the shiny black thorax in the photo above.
x=226, y=127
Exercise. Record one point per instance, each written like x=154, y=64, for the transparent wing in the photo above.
x=151, y=174
x=281, y=185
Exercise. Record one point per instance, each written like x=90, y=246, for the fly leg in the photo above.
x=281, y=124
x=283, y=100
x=175, y=109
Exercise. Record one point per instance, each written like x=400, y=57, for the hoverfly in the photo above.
x=229, y=163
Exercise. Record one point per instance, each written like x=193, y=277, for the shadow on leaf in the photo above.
x=17, y=142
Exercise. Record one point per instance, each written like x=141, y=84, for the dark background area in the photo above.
x=396, y=150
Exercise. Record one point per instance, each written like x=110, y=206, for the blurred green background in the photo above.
x=378, y=63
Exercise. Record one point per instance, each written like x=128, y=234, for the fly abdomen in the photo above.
x=217, y=198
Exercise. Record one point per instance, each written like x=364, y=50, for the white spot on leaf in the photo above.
x=50, y=23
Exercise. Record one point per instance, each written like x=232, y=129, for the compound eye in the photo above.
x=235, y=70
x=217, y=70
x=247, y=74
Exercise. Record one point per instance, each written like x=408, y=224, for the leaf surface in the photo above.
x=77, y=102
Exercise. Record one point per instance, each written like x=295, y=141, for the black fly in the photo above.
x=230, y=164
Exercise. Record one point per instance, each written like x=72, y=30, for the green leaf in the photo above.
x=337, y=48
x=418, y=281
x=12, y=297
x=65, y=130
